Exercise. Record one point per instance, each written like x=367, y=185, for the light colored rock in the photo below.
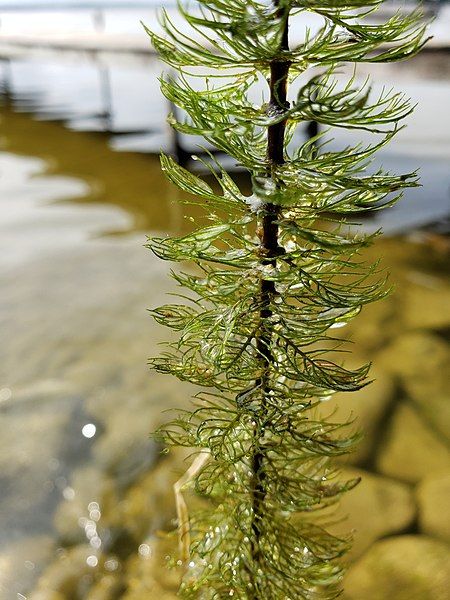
x=412, y=350
x=128, y=451
x=148, y=574
x=421, y=361
x=21, y=563
x=108, y=587
x=366, y=407
x=47, y=595
x=33, y=432
x=433, y=494
x=376, y=507
x=23, y=427
x=425, y=302
x=70, y=574
x=149, y=505
x=373, y=327
x=119, y=514
x=88, y=485
x=411, y=450
x=401, y=568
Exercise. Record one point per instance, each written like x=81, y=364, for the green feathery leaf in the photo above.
x=272, y=275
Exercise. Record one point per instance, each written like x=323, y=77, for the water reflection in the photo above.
x=131, y=181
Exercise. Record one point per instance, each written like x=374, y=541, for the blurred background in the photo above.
x=84, y=492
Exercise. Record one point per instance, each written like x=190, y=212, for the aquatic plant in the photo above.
x=272, y=275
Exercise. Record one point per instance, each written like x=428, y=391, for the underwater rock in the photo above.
x=374, y=327
x=148, y=505
x=421, y=361
x=411, y=450
x=412, y=350
x=433, y=494
x=47, y=595
x=128, y=451
x=33, y=432
x=23, y=427
x=80, y=573
x=401, y=568
x=90, y=496
x=125, y=452
x=425, y=302
x=21, y=563
x=109, y=587
x=376, y=507
x=148, y=574
x=71, y=574
x=367, y=407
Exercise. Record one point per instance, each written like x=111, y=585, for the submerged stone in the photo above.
x=35, y=428
x=366, y=407
x=411, y=450
x=88, y=485
x=401, y=568
x=421, y=362
x=128, y=452
x=70, y=574
x=148, y=575
x=426, y=301
x=433, y=495
x=374, y=327
x=376, y=507
x=21, y=563
x=109, y=587
x=47, y=595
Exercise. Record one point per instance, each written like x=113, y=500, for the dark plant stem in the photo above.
x=269, y=250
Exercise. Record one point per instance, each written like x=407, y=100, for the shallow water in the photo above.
x=83, y=490
x=117, y=100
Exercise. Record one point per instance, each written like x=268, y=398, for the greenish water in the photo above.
x=132, y=182
x=84, y=492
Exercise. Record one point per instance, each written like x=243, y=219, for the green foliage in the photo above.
x=270, y=281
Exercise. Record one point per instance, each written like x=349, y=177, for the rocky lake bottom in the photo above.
x=86, y=495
